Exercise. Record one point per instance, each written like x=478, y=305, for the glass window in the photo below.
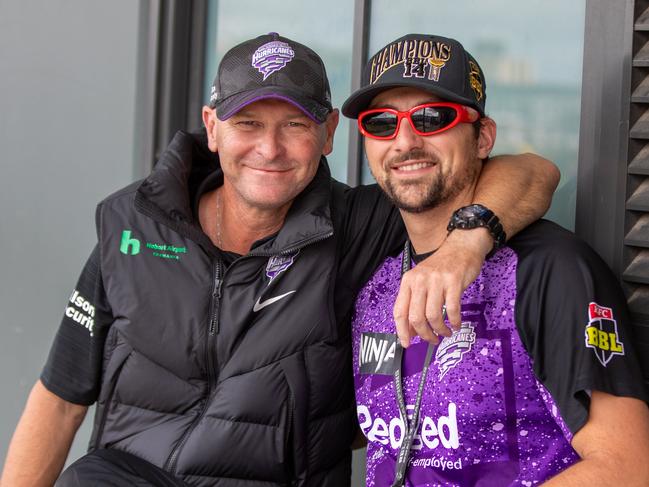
x=531, y=53
x=328, y=31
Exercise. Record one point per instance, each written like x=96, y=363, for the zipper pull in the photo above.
x=219, y=282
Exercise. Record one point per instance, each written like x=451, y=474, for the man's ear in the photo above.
x=330, y=125
x=487, y=137
x=209, y=120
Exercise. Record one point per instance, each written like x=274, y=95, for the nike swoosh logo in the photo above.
x=262, y=304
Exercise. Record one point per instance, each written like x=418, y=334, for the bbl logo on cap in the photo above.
x=271, y=57
x=475, y=79
x=601, y=333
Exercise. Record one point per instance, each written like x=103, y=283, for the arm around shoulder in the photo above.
x=613, y=445
x=518, y=189
x=42, y=439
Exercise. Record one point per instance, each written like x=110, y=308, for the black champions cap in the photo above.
x=271, y=66
x=435, y=64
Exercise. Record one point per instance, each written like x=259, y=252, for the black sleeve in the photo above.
x=573, y=319
x=372, y=229
x=73, y=367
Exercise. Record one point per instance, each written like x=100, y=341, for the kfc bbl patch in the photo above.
x=601, y=333
x=376, y=353
x=279, y=263
x=451, y=349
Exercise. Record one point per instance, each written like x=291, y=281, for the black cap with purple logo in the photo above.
x=271, y=66
x=436, y=64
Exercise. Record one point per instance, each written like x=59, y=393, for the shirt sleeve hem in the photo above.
x=66, y=395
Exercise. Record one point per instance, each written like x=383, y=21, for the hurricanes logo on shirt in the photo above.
x=451, y=349
x=601, y=333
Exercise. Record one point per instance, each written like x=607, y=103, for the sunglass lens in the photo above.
x=379, y=124
x=432, y=119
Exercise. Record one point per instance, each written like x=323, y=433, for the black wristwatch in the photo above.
x=476, y=216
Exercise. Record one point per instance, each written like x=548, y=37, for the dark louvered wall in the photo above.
x=636, y=240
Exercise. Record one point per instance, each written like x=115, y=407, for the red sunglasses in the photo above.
x=426, y=119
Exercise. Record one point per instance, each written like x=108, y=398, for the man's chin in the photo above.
x=417, y=204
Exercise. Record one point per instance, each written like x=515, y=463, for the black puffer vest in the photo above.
x=207, y=373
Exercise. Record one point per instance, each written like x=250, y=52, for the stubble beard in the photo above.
x=428, y=193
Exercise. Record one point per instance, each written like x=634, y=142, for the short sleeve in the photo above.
x=73, y=367
x=372, y=229
x=573, y=320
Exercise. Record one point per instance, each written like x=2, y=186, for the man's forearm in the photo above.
x=613, y=445
x=601, y=474
x=580, y=474
x=518, y=189
x=42, y=440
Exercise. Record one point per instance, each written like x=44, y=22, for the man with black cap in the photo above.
x=540, y=380
x=211, y=323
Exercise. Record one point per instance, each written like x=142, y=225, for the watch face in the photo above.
x=474, y=216
x=472, y=211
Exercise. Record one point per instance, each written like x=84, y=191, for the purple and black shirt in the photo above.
x=544, y=324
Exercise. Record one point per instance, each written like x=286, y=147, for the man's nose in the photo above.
x=270, y=144
x=407, y=139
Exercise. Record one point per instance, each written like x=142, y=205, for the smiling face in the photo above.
x=421, y=172
x=269, y=151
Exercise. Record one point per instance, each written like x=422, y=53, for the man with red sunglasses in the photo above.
x=539, y=382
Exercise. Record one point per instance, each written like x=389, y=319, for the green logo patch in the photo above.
x=131, y=246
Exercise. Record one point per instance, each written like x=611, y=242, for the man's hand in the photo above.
x=439, y=281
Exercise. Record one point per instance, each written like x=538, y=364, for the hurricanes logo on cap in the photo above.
x=271, y=57
x=475, y=79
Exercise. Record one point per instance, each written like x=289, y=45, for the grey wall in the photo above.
x=67, y=119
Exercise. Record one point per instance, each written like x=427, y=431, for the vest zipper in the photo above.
x=213, y=329
x=215, y=307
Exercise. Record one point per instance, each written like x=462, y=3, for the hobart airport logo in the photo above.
x=601, y=333
x=130, y=245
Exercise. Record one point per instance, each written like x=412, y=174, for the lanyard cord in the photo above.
x=412, y=425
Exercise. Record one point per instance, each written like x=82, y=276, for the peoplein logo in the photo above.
x=128, y=245
x=376, y=353
x=601, y=333
x=451, y=349
x=431, y=433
